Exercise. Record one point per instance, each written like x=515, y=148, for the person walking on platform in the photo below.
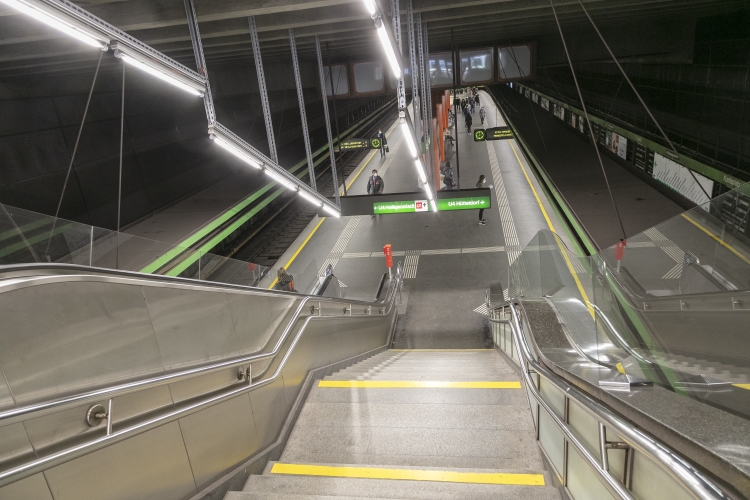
x=468, y=123
x=448, y=180
x=471, y=104
x=383, y=143
x=480, y=184
x=482, y=114
x=375, y=185
x=476, y=99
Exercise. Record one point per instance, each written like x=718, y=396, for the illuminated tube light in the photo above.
x=409, y=139
x=158, y=74
x=68, y=27
x=420, y=170
x=310, y=198
x=371, y=8
x=278, y=178
x=236, y=152
x=331, y=211
x=390, y=53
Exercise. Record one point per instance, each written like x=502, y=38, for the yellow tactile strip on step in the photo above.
x=405, y=384
x=410, y=474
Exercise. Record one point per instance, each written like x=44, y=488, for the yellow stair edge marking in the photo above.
x=405, y=384
x=742, y=386
x=441, y=350
x=410, y=474
x=620, y=368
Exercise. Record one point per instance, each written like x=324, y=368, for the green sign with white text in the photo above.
x=472, y=203
x=400, y=207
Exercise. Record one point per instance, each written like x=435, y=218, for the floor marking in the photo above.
x=405, y=384
x=719, y=240
x=338, y=248
x=389, y=159
x=443, y=476
x=410, y=264
x=673, y=273
x=742, y=386
x=289, y=263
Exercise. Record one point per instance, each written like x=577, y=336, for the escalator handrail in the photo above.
x=13, y=415
x=46, y=462
x=683, y=472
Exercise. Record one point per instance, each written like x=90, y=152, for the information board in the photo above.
x=350, y=144
x=493, y=134
x=400, y=207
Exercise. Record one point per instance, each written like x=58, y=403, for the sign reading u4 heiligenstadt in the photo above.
x=443, y=205
x=400, y=207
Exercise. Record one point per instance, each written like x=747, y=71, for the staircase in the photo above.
x=415, y=424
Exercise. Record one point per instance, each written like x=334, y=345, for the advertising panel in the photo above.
x=559, y=112
x=476, y=66
x=678, y=178
x=573, y=120
x=535, y=97
x=368, y=77
x=340, y=79
x=545, y=103
x=617, y=144
x=581, y=125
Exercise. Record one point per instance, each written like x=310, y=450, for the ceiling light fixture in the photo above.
x=390, y=52
x=60, y=22
x=280, y=179
x=331, y=211
x=236, y=152
x=161, y=72
x=310, y=198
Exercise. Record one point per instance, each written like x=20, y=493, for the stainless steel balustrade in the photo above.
x=306, y=311
x=696, y=483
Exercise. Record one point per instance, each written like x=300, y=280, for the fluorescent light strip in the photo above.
x=331, y=211
x=310, y=198
x=278, y=178
x=236, y=152
x=371, y=8
x=390, y=53
x=420, y=170
x=56, y=23
x=158, y=74
x=409, y=139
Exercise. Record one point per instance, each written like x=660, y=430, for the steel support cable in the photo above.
x=303, y=114
x=119, y=177
x=263, y=89
x=327, y=118
x=588, y=121
x=336, y=118
x=70, y=165
x=637, y=94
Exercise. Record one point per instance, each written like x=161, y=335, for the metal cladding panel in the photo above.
x=515, y=62
x=477, y=66
x=31, y=488
x=368, y=77
x=393, y=83
x=182, y=320
x=441, y=70
x=82, y=335
x=219, y=437
x=269, y=411
x=14, y=444
x=255, y=320
x=6, y=398
x=340, y=73
x=152, y=465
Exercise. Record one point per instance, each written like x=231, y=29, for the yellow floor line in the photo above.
x=406, y=384
x=444, y=476
x=289, y=263
x=742, y=386
x=442, y=350
x=551, y=228
x=719, y=240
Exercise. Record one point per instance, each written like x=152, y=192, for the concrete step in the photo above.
x=390, y=489
x=419, y=396
x=244, y=495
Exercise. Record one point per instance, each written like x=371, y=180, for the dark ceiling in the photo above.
x=29, y=46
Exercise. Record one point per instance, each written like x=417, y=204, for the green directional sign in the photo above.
x=400, y=207
x=375, y=143
x=351, y=144
x=498, y=133
x=479, y=135
x=471, y=203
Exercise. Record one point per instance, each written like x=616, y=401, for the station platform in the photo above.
x=448, y=258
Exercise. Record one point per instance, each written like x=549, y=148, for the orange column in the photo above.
x=435, y=154
x=439, y=132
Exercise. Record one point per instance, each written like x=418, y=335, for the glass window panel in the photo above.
x=368, y=77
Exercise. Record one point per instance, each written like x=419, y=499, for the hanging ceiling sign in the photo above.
x=493, y=134
x=351, y=144
x=415, y=202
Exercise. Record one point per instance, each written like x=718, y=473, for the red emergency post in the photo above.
x=620, y=250
x=250, y=266
x=388, y=255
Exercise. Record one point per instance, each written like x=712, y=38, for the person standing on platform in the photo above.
x=480, y=184
x=448, y=180
x=476, y=99
x=375, y=185
x=471, y=105
x=383, y=143
x=468, y=123
x=482, y=114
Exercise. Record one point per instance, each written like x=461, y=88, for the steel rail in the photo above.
x=17, y=414
x=695, y=482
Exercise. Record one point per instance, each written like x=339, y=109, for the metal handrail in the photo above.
x=25, y=470
x=683, y=472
